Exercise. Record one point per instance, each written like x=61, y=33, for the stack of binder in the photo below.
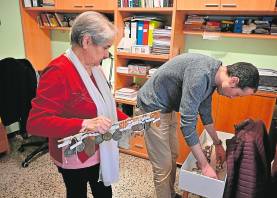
x=161, y=41
x=126, y=94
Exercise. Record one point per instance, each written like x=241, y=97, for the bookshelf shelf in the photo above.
x=41, y=9
x=55, y=28
x=129, y=102
x=232, y=35
x=151, y=57
x=133, y=75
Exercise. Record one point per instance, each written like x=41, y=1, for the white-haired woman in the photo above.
x=73, y=96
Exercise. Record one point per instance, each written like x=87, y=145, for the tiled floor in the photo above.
x=41, y=178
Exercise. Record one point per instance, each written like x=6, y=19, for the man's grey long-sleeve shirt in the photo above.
x=183, y=84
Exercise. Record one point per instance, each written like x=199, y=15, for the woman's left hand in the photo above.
x=99, y=124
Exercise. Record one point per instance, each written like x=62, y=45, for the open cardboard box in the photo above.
x=199, y=184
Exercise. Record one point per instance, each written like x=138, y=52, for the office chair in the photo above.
x=18, y=83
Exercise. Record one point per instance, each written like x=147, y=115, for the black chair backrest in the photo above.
x=18, y=83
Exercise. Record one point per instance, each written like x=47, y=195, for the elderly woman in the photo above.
x=73, y=96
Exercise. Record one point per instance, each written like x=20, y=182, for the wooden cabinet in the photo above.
x=236, y=5
x=137, y=145
x=265, y=5
x=85, y=4
x=4, y=144
x=232, y=111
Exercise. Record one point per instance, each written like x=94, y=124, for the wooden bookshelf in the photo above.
x=133, y=75
x=55, y=28
x=41, y=9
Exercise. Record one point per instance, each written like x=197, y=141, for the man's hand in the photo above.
x=202, y=162
x=220, y=153
x=208, y=171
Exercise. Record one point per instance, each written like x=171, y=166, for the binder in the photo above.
x=145, y=32
x=152, y=25
x=140, y=33
x=134, y=32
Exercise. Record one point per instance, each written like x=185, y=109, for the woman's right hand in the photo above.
x=99, y=124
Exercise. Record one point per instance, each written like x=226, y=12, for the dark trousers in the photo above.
x=76, y=182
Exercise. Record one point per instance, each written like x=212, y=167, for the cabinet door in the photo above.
x=69, y=4
x=198, y=4
x=233, y=111
x=249, y=5
x=137, y=145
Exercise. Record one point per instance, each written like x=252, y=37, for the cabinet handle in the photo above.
x=139, y=146
x=89, y=6
x=77, y=6
x=229, y=5
x=212, y=5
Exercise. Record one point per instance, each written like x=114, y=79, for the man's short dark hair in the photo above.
x=246, y=72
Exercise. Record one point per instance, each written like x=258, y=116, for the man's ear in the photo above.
x=234, y=81
x=86, y=41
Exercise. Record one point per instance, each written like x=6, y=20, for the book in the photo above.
x=35, y=3
x=39, y=20
x=60, y=19
x=27, y=3
x=44, y=19
x=134, y=32
x=52, y=20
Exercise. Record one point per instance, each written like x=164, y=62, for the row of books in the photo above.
x=55, y=19
x=137, y=70
x=38, y=3
x=246, y=25
x=145, y=3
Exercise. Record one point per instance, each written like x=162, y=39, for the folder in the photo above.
x=145, y=32
x=152, y=25
x=140, y=33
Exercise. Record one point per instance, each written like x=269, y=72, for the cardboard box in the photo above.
x=200, y=184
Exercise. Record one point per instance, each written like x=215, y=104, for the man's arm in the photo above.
x=212, y=132
x=219, y=150
x=192, y=95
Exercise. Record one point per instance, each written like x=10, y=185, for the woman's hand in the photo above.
x=99, y=124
